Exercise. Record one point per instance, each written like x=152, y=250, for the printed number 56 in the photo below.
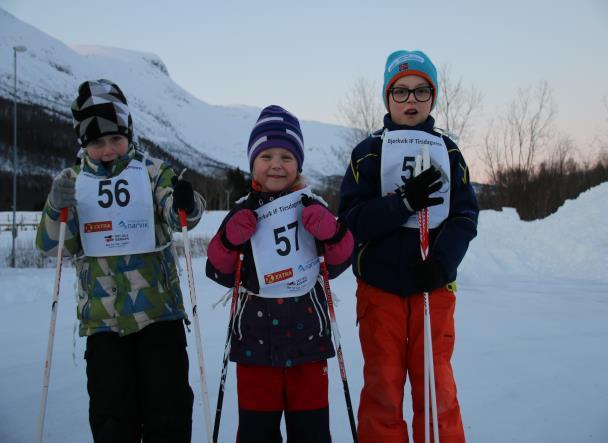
x=121, y=195
x=283, y=239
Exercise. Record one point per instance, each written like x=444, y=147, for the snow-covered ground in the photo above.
x=530, y=358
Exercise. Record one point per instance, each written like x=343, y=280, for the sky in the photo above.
x=307, y=55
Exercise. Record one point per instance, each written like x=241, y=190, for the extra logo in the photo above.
x=278, y=276
x=98, y=226
x=403, y=67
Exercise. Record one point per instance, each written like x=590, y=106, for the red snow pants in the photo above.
x=300, y=391
x=391, y=330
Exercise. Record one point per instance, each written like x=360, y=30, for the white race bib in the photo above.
x=399, y=151
x=285, y=253
x=116, y=215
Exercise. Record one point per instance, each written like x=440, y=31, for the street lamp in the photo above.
x=16, y=49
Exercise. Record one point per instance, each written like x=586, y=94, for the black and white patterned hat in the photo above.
x=100, y=109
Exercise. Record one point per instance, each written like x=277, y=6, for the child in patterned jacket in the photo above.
x=281, y=336
x=123, y=206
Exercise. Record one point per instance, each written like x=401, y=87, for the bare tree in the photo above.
x=515, y=141
x=361, y=111
x=456, y=105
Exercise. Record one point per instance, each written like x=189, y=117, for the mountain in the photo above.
x=203, y=137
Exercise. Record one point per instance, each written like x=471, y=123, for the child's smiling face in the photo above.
x=275, y=169
x=411, y=112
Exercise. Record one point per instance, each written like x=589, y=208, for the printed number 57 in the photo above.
x=278, y=238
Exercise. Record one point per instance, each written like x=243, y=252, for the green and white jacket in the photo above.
x=124, y=293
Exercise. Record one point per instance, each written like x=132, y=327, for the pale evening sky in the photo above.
x=305, y=55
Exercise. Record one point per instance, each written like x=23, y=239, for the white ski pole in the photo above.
x=197, y=331
x=422, y=163
x=49, y=349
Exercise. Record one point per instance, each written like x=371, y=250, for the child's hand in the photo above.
x=183, y=195
x=319, y=221
x=63, y=191
x=429, y=275
x=241, y=227
x=416, y=192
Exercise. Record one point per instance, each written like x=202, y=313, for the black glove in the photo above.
x=429, y=276
x=416, y=192
x=183, y=195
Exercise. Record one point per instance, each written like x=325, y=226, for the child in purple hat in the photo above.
x=281, y=335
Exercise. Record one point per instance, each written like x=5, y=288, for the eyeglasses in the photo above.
x=422, y=94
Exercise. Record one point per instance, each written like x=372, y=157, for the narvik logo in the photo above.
x=133, y=224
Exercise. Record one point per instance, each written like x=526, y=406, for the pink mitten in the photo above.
x=241, y=226
x=319, y=221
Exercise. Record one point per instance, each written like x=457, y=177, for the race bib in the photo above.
x=116, y=215
x=399, y=151
x=285, y=253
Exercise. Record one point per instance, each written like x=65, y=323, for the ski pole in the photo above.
x=423, y=163
x=220, y=395
x=336, y=333
x=63, y=217
x=197, y=331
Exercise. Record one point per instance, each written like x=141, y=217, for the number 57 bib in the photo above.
x=116, y=215
x=284, y=252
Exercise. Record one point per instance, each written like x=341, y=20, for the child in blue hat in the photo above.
x=379, y=199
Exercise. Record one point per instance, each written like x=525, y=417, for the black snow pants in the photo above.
x=138, y=385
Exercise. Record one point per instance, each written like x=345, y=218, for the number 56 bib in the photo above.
x=116, y=215
x=284, y=252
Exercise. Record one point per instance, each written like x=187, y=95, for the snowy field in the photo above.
x=530, y=359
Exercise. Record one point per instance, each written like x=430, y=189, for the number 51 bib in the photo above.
x=116, y=215
x=284, y=252
x=399, y=151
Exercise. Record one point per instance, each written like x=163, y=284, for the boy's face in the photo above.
x=108, y=148
x=411, y=112
x=275, y=169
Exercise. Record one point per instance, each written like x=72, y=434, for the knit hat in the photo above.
x=100, y=109
x=402, y=63
x=276, y=128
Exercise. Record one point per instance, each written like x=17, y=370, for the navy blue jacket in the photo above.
x=387, y=254
x=280, y=332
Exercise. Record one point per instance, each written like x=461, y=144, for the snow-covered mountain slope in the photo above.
x=194, y=131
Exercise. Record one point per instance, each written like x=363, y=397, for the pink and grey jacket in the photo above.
x=274, y=332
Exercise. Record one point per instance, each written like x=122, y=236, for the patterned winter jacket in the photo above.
x=274, y=332
x=386, y=253
x=124, y=293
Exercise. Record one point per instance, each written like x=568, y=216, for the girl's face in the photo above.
x=108, y=148
x=411, y=112
x=275, y=169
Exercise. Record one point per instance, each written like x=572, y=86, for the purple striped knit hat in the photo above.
x=276, y=128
